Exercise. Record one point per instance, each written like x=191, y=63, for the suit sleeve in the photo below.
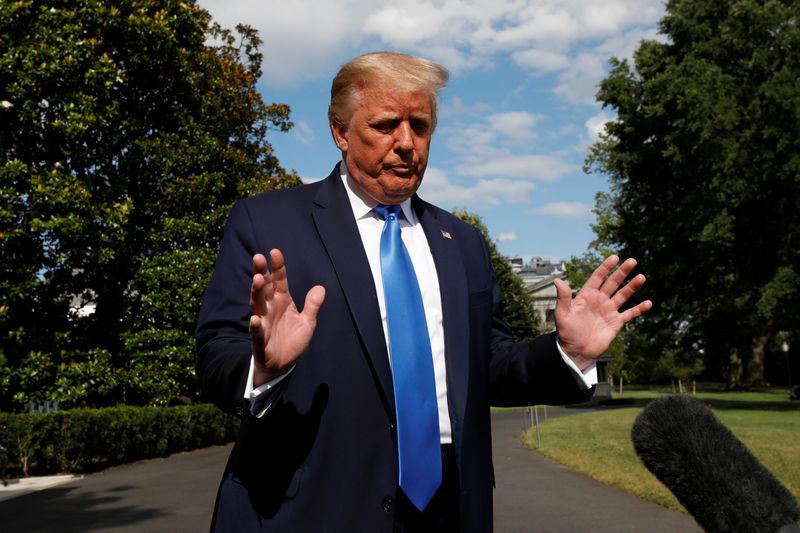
x=222, y=334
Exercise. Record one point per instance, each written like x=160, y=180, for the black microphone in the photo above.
x=711, y=472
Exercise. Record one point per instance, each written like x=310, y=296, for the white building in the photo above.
x=538, y=275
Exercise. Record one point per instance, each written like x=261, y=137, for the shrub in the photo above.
x=84, y=440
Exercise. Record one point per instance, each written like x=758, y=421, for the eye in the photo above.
x=386, y=125
x=420, y=126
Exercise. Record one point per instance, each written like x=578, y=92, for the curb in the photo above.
x=22, y=486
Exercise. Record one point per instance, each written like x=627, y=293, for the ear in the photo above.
x=339, y=132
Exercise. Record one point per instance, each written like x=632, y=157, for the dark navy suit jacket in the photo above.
x=324, y=457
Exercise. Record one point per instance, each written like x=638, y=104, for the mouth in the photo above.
x=403, y=170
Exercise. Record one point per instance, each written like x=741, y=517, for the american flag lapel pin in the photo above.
x=446, y=235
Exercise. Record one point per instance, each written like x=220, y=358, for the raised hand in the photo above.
x=278, y=332
x=588, y=323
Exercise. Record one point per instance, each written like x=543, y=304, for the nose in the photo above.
x=404, y=137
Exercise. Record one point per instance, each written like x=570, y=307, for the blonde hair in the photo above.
x=404, y=72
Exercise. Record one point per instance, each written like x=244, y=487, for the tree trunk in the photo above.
x=755, y=368
x=735, y=370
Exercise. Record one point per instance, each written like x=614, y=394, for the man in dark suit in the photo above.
x=318, y=446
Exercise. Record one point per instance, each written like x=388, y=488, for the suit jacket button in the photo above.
x=388, y=504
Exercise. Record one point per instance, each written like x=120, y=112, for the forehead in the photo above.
x=377, y=100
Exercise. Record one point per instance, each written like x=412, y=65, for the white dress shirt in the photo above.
x=370, y=226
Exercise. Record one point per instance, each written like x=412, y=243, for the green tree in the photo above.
x=128, y=130
x=517, y=304
x=704, y=163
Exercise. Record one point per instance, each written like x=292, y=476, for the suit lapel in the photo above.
x=442, y=237
x=338, y=231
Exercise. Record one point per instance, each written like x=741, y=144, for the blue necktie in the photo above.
x=412, y=367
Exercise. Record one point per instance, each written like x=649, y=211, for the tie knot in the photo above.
x=385, y=210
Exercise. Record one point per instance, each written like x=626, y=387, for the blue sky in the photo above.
x=516, y=119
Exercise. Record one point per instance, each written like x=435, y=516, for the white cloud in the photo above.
x=596, y=125
x=313, y=179
x=303, y=39
x=307, y=39
x=474, y=142
x=541, y=60
x=303, y=132
x=505, y=236
x=533, y=167
x=456, y=107
x=608, y=17
x=495, y=146
x=516, y=125
x=578, y=84
x=406, y=26
x=439, y=189
x=536, y=26
x=565, y=210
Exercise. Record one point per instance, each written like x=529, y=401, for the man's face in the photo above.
x=386, y=141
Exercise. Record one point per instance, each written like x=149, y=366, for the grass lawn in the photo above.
x=598, y=444
x=709, y=391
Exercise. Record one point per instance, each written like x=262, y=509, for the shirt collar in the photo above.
x=362, y=203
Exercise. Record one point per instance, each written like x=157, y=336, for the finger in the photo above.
x=563, y=290
x=636, y=311
x=314, y=299
x=616, y=279
x=625, y=293
x=259, y=264
x=258, y=293
x=563, y=295
x=279, y=278
x=601, y=273
x=259, y=335
x=261, y=286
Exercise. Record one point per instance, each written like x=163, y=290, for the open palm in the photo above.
x=279, y=333
x=589, y=323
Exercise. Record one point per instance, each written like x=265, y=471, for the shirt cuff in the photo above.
x=588, y=378
x=261, y=398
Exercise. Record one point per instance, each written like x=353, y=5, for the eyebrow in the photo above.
x=388, y=116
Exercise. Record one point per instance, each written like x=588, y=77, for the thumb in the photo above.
x=563, y=290
x=314, y=299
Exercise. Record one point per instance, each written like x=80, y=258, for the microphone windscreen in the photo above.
x=711, y=472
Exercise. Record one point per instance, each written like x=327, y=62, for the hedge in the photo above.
x=84, y=440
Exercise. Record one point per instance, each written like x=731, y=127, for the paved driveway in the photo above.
x=176, y=494
x=534, y=494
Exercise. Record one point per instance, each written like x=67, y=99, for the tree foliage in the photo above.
x=704, y=163
x=517, y=304
x=128, y=130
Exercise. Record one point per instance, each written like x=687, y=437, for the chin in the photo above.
x=401, y=193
